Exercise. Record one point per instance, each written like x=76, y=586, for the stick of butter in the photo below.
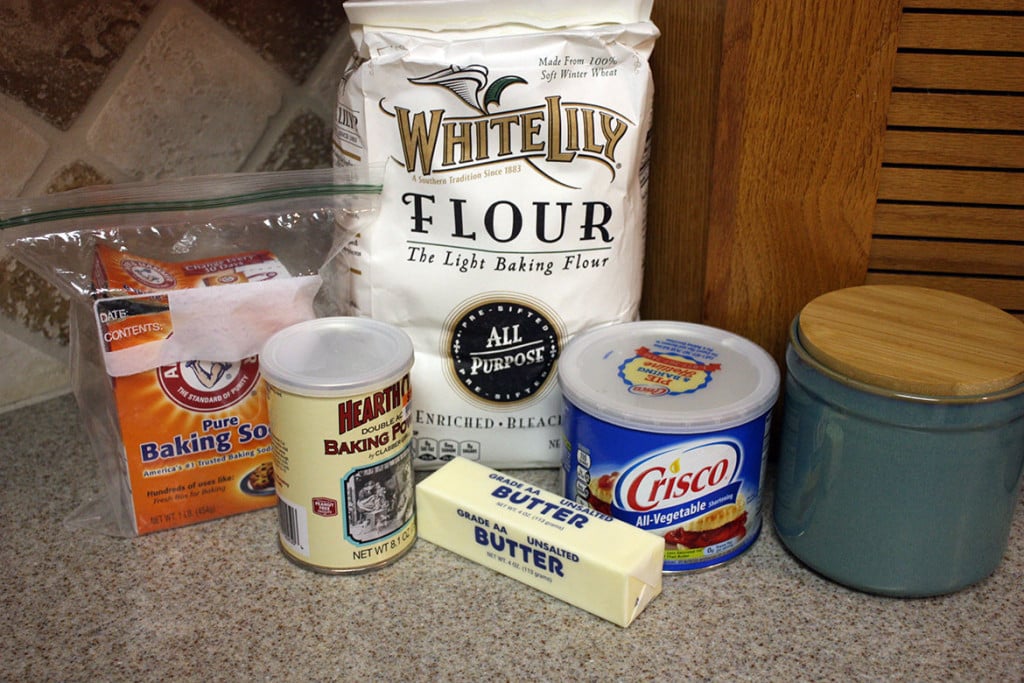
x=600, y=564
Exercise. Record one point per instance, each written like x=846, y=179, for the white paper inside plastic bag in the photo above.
x=218, y=323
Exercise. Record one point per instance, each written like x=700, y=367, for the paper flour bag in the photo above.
x=512, y=215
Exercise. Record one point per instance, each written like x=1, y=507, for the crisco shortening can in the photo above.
x=667, y=427
x=338, y=396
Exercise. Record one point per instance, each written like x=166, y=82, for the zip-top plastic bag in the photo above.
x=513, y=207
x=174, y=286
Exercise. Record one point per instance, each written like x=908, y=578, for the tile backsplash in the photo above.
x=104, y=92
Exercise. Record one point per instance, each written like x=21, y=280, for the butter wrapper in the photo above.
x=567, y=550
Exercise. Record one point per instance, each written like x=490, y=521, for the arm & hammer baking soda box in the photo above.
x=194, y=432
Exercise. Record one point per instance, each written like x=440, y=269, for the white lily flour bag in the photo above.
x=515, y=137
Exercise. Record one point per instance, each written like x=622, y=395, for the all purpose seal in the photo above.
x=667, y=427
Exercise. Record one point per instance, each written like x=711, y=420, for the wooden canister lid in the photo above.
x=915, y=340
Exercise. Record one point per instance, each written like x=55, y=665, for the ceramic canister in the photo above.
x=338, y=397
x=902, y=443
x=666, y=427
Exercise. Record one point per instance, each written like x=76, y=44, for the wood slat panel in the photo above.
x=991, y=33
x=983, y=5
x=959, y=72
x=970, y=222
x=1007, y=294
x=935, y=148
x=963, y=187
x=953, y=159
x=939, y=110
x=975, y=258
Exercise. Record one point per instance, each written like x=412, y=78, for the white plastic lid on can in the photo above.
x=668, y=377
x=335, y=356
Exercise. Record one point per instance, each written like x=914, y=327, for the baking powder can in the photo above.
x=667, y=428
x=338, y=395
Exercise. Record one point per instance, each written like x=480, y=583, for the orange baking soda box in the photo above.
x=195, y=432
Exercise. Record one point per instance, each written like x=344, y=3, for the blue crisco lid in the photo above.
x=668, y=377
x=335, y=356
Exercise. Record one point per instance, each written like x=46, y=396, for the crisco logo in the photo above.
x=677, y=476
x=648, y=391
x=552, y=132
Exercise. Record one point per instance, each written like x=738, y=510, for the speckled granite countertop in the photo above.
x=218, y=601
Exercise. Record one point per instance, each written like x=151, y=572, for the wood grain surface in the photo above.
x=979, y=258
x=967, y=5
x=943, y=148
x=982, y=31
x=921, y=341
x=685, y=65
x=958, y=71
x=998, y=291
x=963, y=222
x=962, y=186
x=801, y=117
x=773, y=119
x=956, y=110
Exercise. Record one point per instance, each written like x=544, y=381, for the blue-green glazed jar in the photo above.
x=893, y=492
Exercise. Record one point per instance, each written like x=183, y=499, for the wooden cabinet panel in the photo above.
x=1001, y=292
x=942, y=71
x=796, y=141
x=961, y=186
x=798, y=151
x=997, y=224
x=977, y=258
x=947, y=110
x=966, y=5
x=999, y=33
x=940, y=148
x=954, y=153
x=685, y=65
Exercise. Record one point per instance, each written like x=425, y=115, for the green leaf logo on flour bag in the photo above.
x=512, y=209
x=470, y=85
